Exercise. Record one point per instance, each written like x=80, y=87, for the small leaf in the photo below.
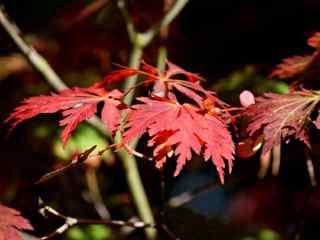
x=11, y=222
x=118, y=75
x=76, y=104
x=282, y=116
x=173, y=70
x=292, y=66
x=314, y=40
x=249, y=146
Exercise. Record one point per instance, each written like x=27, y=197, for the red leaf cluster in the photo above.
x=282, y=116
x=173, y=127
x=76, y=104
x=293, y=66
x=10, y=222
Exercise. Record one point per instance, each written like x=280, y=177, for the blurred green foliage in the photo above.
x=92, y=232
x=84, y=138
x=264, y=234
x=247, y=78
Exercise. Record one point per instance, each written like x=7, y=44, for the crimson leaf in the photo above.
x=10, y=222
x=282, y=116
x=76, y=104
x=185, y=128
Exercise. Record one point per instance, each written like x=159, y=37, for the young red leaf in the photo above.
x=152, y=71
x=249, y=146
x=281, y=117
x=171, y=77
x=118, y=75
x=182, y=127
x=76, y=104
x=11, y=222
x=314, y=40
x=292, y=66
x=110, y=114
x=173, y=70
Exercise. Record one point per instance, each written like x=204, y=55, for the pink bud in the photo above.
x=246, y=98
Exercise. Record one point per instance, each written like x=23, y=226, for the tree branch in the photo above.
x=129, y=162
x=165, y=21
x=128, y=20
x=140, y=40
x=71, y=221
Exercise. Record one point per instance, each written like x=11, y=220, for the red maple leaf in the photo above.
x=11, y=222
x=282, y=116
x=117, y=75
x=182, y=127
x=151, y=73
x=292, y=66
x=76, y=104
x=172, y=77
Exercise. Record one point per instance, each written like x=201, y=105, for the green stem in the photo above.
x=95, y=194
x=134, y=62
x=137, y=190
x=165, y=21
x=129, y=162
x=162, y=56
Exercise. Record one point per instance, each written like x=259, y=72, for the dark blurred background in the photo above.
x=234, y=45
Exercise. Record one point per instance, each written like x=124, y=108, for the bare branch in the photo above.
x=71, y=221
x=128, y=20
x=165, y=21
x=74, y=163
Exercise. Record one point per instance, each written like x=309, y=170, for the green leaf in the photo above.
x=92, y=232
x=76, y=233
x=268, y=234
x=99, y=232
x=84, y=138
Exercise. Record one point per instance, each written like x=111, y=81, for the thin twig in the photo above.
x=188, y=196
x=310, y=168
x=276, y=159
x=86, y=12
x=140, y=40
x=296, y=234
x=166, y=20
x=169, y=232
x=71, y=221
x=74, y=163
x=95, y=197
x=300, y=222
x=128, y=20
